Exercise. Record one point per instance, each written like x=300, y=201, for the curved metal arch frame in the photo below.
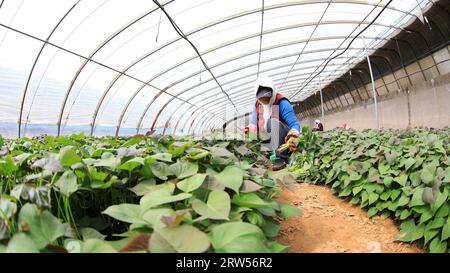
x=2, y=1
x=311, y=2
x=222, y=21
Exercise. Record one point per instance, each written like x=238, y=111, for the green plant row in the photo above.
x=400, y=174
x=85, y=194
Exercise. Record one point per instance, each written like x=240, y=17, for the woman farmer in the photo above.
x=274, y=118
x=318, y=126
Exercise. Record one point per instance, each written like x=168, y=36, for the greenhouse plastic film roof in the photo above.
x=124, y=67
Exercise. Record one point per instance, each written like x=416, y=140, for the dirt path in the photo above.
x=330, y=224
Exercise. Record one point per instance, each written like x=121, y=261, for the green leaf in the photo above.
x=250, y=200
x=385, y=195
x=276, y=247
x=446, y=230
x=443, y=211
x=416, y=199
x=90, y=233
x=409, y=162
x=383, y=169
x=150, y=185
x=21, y=158
x=357, y=189
x=255, y=218
x=217, y=207
x=67, y=183
x=97, y=246
x=160, y=197
x=426, y=176
x=7, y=166
x=110, y=163
x=160, y=170
x=250, y=186
x=191, y=183
x=232, y=177
x=162, y=157
x=387, y=181
x=196, y=154
x=270, y=228
x=372, y=212
x=426, y=215
x=405, y=214
x=153, y=216
x=21, y=243
x=68, y=156
x=181, y=239
x=183, y=169
x=436, y=223
x=401, y=180
x=429, y=234
x=354, y=176
x=438, y=246
x=287, y=211
x=373, y=197
x=395, y=193
x=132, y=164
x=409, y=232
x=238, y=237
x=44, y=228
x=403, y=200
x=97, y=176
x=129, y=213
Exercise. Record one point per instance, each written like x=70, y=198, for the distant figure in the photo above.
x=318, y=126
x=344, y=126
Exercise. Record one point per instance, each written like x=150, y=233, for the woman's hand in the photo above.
x=291, y=138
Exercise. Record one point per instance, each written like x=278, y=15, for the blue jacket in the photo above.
x=286, y=113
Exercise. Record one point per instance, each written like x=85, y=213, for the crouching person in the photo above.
x=273, y=120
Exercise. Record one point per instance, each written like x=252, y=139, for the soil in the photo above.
x=332, y=225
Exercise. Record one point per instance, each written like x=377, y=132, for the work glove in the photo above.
x=291, y=139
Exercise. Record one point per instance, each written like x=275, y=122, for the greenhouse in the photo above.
x=224, y=126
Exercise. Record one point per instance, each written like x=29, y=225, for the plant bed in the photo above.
x=137, y=194
x=400, y=174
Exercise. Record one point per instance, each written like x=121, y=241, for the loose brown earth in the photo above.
x=331, y=224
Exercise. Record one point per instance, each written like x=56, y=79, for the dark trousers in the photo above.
x=277, y=132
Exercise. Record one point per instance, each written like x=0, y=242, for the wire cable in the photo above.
x=182, y=35
x=348, y=46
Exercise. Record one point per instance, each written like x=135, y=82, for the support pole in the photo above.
x=373, y=82
x=321, y=101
